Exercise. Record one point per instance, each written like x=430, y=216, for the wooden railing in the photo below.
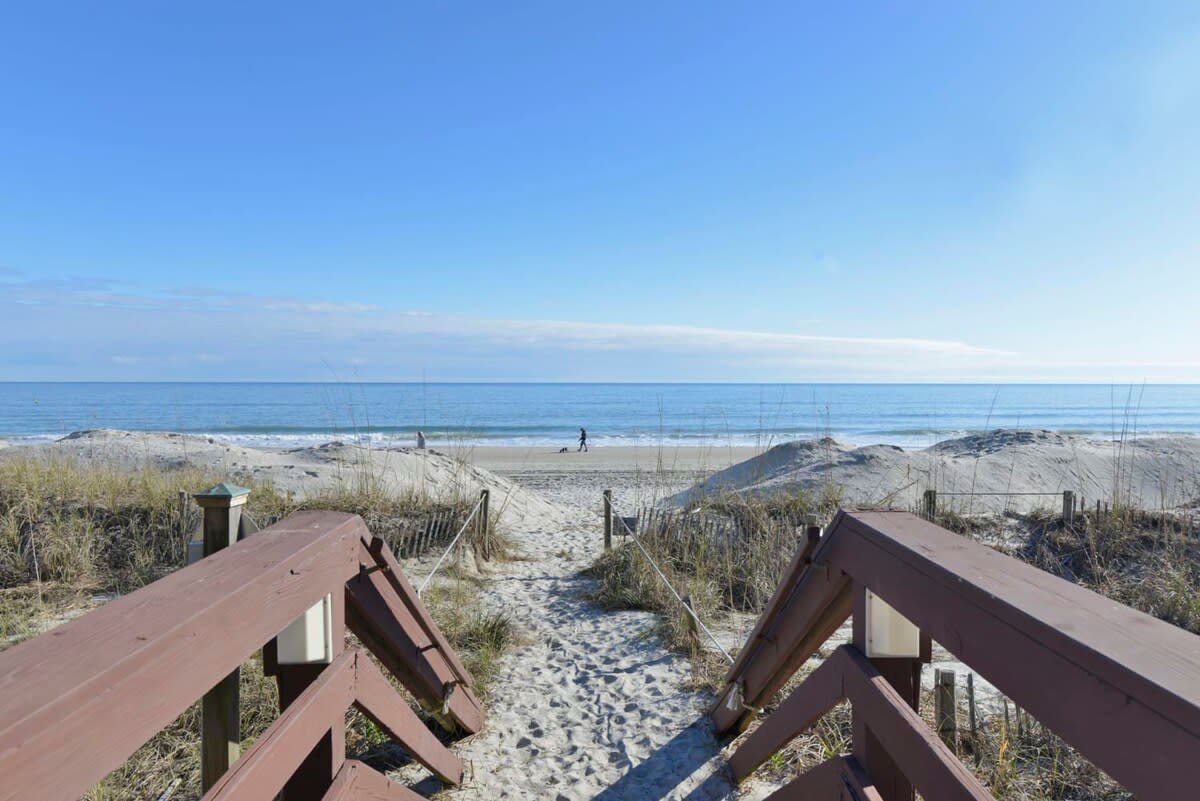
x=1120, y=686
x=76, y=702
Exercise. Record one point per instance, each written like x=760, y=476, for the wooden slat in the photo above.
x=925, y=760
x=132, y=666
x=856, y=784
x=807, y=704
x=822, y=783
x=820, y=604
x=408, y=595
x=435, y=657
x=387, y=652
x=371, y=785
x=342, y=788
x=801, y=559
x=376, y=698
x=386, y=625
x=1120, y=686
x=264, y=770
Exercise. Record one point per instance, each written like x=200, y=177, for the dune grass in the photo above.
x=724, y=556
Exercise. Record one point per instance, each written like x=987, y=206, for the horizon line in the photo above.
x=667, y=382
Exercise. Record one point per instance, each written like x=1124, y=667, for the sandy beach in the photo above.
x=637, y=475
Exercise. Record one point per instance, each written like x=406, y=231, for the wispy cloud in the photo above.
x=94, y=328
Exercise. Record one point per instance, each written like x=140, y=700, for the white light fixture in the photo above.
x=889, y=633
x=307, y=640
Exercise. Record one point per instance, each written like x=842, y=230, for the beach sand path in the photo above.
x=594, y=707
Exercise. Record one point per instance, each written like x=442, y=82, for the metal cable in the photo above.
x=678, y=597
x=453, y=542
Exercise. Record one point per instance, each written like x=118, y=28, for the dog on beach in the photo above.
x=562, y=450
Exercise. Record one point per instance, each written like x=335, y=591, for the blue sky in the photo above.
x=452, y=191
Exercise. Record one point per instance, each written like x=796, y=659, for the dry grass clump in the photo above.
x=479, y=636
x=61, y=522
x=726, y=555
x=29, y=609
x=1144, y=560
x=409, y=524
x=1019, y=759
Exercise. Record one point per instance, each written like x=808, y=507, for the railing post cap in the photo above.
x=222, y=495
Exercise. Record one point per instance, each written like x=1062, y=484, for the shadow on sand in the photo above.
x=661, y=775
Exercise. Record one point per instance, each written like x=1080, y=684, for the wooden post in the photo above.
x=945, y=710
x=315, y=774
x=902, y=673
x=1068, y=508
x=930, y=504
x=971, y=716
x=221, y=734
x=183, y=532
x=608, y=513
x=690, y=622
x=484, y=497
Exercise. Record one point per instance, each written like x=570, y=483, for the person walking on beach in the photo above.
x=420, y=440
x=582, y=441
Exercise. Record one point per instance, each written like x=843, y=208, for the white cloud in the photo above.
x=59, y=330
x=70, y=327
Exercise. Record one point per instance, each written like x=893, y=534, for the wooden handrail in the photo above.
x=135, y=664
x=1120, y=686
x=77, y=701
x=263, y=770
x=403, y=588
x=830, y=780
x=931, y=766
x=358, y=782
x=378, y=701
x=806, y=615
x=782, y=595
x=387, y=625
x=820, y=692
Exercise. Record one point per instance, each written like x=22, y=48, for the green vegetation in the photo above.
x=727, y=556
x=479, y=636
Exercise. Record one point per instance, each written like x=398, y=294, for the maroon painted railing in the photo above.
x=76, y=702
x=1120, y=686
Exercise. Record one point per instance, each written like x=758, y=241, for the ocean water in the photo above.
x=292, y=414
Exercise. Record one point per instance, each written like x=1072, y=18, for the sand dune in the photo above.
x=1154, y=473
x=302, y=471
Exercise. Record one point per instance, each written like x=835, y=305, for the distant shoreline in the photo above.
x=1145, y=470
x=498, y=451
x=459, y=415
